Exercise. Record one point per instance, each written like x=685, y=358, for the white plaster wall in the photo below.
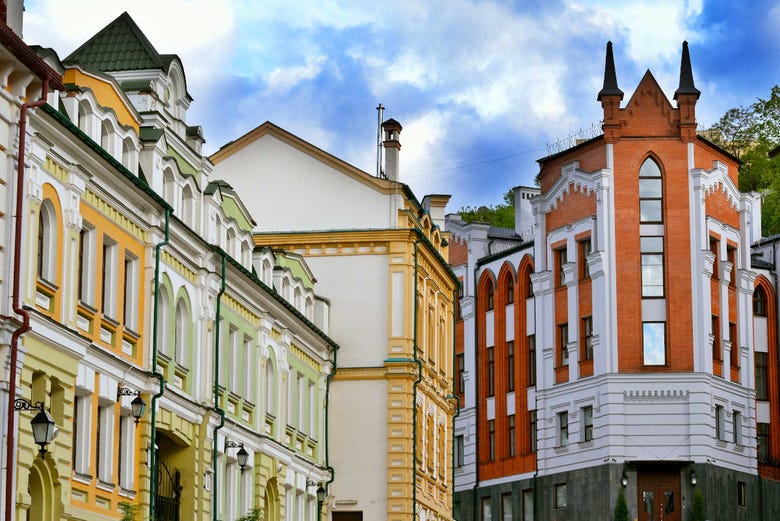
x=316, y=196
x=358, y=420
x=357, y=287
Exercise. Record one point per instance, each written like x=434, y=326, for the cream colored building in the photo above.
x=379, y=255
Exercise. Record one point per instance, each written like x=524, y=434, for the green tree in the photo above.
x=252, y=515
x=501, y=215
x=128, y=511
x=621, y=509
x=697, y=508
x=750, y=133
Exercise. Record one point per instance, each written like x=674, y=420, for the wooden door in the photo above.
x=659, y=494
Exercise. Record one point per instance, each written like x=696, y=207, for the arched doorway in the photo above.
x=44, y=488
x=271, y=502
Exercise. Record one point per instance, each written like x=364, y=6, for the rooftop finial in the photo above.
x=686, y=75
x=610, y=87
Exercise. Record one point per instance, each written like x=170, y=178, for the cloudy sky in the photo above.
x=480, y=87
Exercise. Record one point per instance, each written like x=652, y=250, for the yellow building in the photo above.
x=378, y=254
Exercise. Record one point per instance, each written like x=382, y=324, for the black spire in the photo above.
x=610, y=78
x=686, y=75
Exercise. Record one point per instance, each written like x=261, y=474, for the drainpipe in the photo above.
x=18, y=309
x=157, y=374
x=217, y=408
x=454, y=394
x=414, y=387
x=475, y=313
x=327, y=404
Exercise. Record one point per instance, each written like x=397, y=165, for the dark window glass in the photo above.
x=491, y=383
x=492, y=439
x=531, y=360
x=761, y=378
x=510, y=365
x=511, y=425
x=759, y=302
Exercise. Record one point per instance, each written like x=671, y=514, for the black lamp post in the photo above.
x=42, y=424
x=241, y=456
x=138, y=405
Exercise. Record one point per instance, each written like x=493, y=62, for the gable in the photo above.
x=649, y=112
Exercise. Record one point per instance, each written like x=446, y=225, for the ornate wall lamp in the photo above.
x=42, y=424
x=241, y=455
x=321, y=494
x=138, y=405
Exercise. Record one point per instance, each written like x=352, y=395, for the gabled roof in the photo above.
x=119, y=46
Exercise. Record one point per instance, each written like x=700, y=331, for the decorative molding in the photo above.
x=656, y=395
x=179, y=267
x=114, y=215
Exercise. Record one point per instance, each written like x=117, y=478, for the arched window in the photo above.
x=650, y=193
x=297, y=299
x=231, y=242
x=85, y=118
x=309, y=308
x=181, y=333
x=489, y=296
x=267, y=272
x=270, y=386
x=128, y=154
x=759, y=302
x=47, y=246
x=169, y=187
x=510, y=290
x=106, y=136
x=188, y=206
x=163, y=320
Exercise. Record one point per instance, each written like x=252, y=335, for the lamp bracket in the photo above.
x=20, y=404
x=126, y=391
x=230, y=444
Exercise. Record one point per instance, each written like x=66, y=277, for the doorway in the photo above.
x=659, y=494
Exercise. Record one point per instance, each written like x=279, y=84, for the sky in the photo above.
x=481, y=88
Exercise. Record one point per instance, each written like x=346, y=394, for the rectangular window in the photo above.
x=731, y=256
x=512, y=437
x=492, y=439
x=734, y=344
x=104, y=448
x=654, y=343
x=560, y=495
x=510, y=365
x=563, y=429
x=126, y=440
x=249, y=369
x=460, y=363
x=528, y=505
x=82, y=427
x=585, y=250
x=506, y=507
x=491, y=372
x=86, y=282
x=741, y=494
x=714, y=248
x=531, y=360
x=108, y=278
x=587, y=338
x=487, y=514
x=490, y=302
x=587, y=423
x=736, y=434
x=130, y=309
x=652, y=253
x=561, y=259
x=510, y=292
x=719, y=422
x=233, y=374
x=762, y=442
x=532, y=429
x=459, y=447
x=761, y=376
x=563, y=338
x=716, y=346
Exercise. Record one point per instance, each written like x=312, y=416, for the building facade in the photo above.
x=379, y=255
x=139, y=279
x=629, y=347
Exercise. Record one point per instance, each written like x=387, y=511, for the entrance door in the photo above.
x=659, y=494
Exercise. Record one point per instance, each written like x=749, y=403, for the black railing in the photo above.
x=168, y=493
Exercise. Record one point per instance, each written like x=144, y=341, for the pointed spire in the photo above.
x=686, y=75
x=610, y=87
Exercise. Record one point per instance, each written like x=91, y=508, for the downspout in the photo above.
x=157, y=374
x=217, y=408
x=414, y=388
x=475, y=312
x=327, y=415
x=18, y=309
x=454, y=393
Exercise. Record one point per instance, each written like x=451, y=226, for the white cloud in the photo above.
x=282, y=79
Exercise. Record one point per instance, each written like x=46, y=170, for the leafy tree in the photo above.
x=621, y=509
x=128, y=511
x=252, y=515
x=697, y=508
x=501, y=215
x=750, y=133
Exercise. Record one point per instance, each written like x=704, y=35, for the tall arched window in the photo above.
x=85, y=118
x=231, y=242
x=169, y=187
x=651, y=247
x=106, y=136
x=47, y=245
x=163, y=320
x=759, y=302
x=181, y=333
x=270, y=387
x=188, y=206
x=128, y=154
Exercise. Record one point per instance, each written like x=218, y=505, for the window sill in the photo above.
x=85, y=479
x=105, y=485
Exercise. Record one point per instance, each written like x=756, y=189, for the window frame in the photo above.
x=659, y=199
x=587, y=423
x=587, y=337
x=563, y=429
x=510, y=365
x=645, y=346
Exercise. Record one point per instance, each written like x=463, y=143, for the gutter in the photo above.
x=18, y=309
x=217, y=408
x=157, y=374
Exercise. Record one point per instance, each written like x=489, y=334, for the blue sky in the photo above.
x=480, y=87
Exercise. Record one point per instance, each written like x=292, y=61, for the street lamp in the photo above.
x=138, y=405
x=42, y=424
x=624, y=479
x=694, y=479
x=321, y=495
x=241, y=456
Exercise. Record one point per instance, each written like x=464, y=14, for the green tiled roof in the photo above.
x=120, y=46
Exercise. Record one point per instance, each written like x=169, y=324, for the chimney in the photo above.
x=686, y=96
x=392, y=131
x=13, y=15
x=435, y=205
x=610, y=96
x=524, y=216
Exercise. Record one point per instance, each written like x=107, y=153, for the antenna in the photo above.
x=380, y=112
